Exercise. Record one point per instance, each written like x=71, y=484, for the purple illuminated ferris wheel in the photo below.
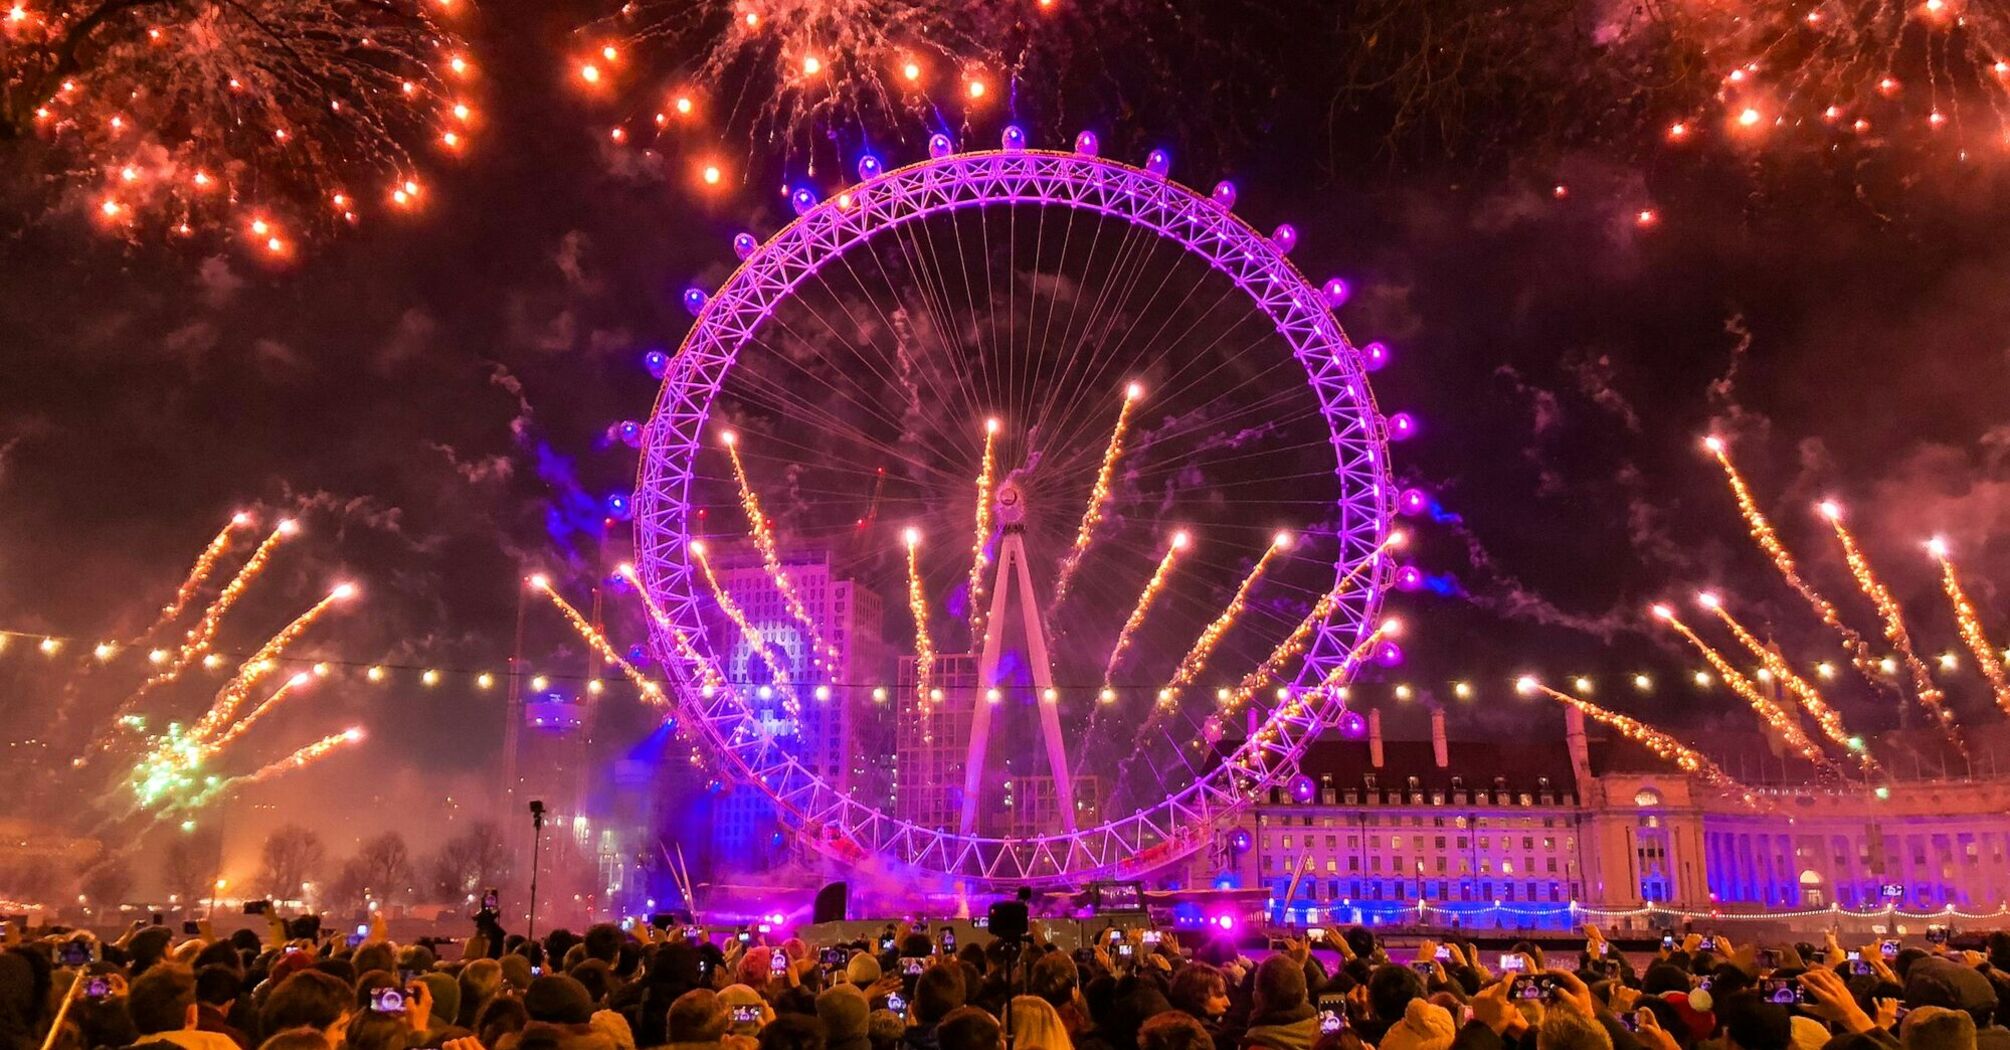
x=1015, y=516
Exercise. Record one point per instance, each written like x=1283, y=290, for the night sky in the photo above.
x=431, y=393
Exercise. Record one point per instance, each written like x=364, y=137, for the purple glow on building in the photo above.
x=1013, y=138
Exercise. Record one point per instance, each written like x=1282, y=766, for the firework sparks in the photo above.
x=598, y=640
x=710, y=672
x=917, y=605
x=241, y=121
x=1146, y=599
x=278, y=696
x=1195, y=661
x=1099, y=501
x=1333, y=685
x=1929, y=695
x=262, y=663
x=199, y=573
x=1666, y=747
x=1768, y=540
x=1986, y=656
x=1769, y=712
x=771, y=558
x=204, y=632
x=777, y=669
x=298, y=760
x=1810, y=699
x=980, y=550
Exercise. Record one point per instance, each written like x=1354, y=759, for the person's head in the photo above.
x=595, y=975
x=697, y=1016
x=1036, y=1025
x=308, y=999
x=792, y=1032
x=218, y=953
x=937, y=991
x=1199, y=990
x=884, y=1028
x=1942, y=982
x=558, y=999
x=1173, y=1030
x=1662, y=977
x=1390, y=989
x=1360, y=941
x=1280, y=985
x=378, y=956
x=217, y=986
x=603, y=942
x=1054, y=978
x=756, y=966
x=1567, y=1030
x=1750, y=1023
x=1999, y=950
x=161, y=999
x=501, y=1016
x=969, y=1028
x=370, y=1030
x=863, y=970
x=1937, y=1028
x=843, y=1010
x=747, y=1008
x=297, y=1039
x=416, y=957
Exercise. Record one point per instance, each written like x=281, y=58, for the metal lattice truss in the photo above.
x=850, y=830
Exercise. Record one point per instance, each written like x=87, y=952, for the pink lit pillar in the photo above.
x=1439, y=750
x=1375, y=737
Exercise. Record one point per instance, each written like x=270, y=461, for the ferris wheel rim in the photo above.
x=822, y=232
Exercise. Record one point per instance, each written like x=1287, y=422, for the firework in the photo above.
x=1769, y=542
x=256, y=122
x=1810, y=699
x=771, y=558
x=1195, y=661
x=1333, y=685
x=678, y=638
x=1146, y=599
x=277, y=696
x=777, y=669
x=1099, y=500
x=598, y=640
x=1826, y=73
x=197, y=575
x=262, y=663
x=1769, y=712
x=204, y=632
x=1666, y=747
x=1986, y=656
x=980, y=550
x=300, y=759
x=1929, y=695
x=917, y=605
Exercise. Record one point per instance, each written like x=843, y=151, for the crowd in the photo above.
x=644, y=988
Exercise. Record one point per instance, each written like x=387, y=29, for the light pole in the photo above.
x=536, y=844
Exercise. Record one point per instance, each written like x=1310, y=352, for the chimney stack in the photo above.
x=1375, y=737
x=1439, y=749
x=1580, y=748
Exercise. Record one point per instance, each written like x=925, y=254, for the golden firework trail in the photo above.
x=199, y=573
x=1146, y=599
x=1986, y=657
x=203, y=633
x=778, y=672
x=980, y=550
x=300, y=759
x=771, y=558
x=1929, y=695
x=263, y=662
x=1810, y=699
x=1769, y=712
x=708, y=670
x=1666, y=747
x=595, y=637
x=1333, y=685
x=277, y=697
x=1099, y=501
x=1195, y=661
x=1768, y=540
x=917, y=606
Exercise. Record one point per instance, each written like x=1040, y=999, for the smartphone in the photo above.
x=765, y=928
x=746, y=937
x=912, y=965
x=1768, y=958
x=98, y=989
x=886, y=943
x=355, y=940
x=834, y=958
x=1331, y=1021
x=490, y=899
x=692, y=933
x=1888, y=949
x=160, y=918
x=387, y=1001
x=982, y=922
x=778, y=962
x=948, y=942
x=661, y=920
x=1443, y=954
x=1125, y=951
x=538, y=971
x=1540, y=986
x=1668, y=940
x=189, y=927
x=746, y=1015
x=1936, y=935
x=1511, y=962
x=362, y=929
x=1152, y=937
x=627, y=923
x=704, y=971
x=1782, y=991
x=1425, y=968
x=1852, y=955
x=1859, y=968
x=257, y=907
x=1315, y=935
x=898, y=1005
x=74, y=953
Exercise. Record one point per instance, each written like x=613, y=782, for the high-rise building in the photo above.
x=932, y=738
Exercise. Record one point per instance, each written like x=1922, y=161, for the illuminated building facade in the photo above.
x=1518, y=833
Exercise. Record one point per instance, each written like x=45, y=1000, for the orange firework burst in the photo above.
x=771, y=558
x=278, y=696
x=1769, y=542
x=1986, y=657
x=262, y=663
x=300, y=759
x=1769, y=712
x=777, y=669
x=1099, y=501
x=917, y=606
x=1930, y=695
x=1332, y=687
x=980, y=550
x=1810, y=699
x=678, y=638
x=1195, y=660
x=1146, y=599
x=204, y=632
x=197, y=575
x=1685, y=758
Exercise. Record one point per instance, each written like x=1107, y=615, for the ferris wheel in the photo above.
x=1014, y=515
